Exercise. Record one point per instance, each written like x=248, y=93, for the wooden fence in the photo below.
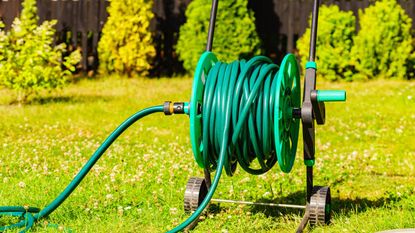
x=79, y=22
x=279, y=23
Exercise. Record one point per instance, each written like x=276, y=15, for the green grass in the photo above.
x=365, y=152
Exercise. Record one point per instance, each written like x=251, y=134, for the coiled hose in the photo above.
x=240, y=96
x=247, y=115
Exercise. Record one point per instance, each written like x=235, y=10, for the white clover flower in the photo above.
x=22, y=184
x=173, y=210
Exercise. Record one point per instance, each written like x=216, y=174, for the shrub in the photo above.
x=126, y=43
x=28, y=61
x=235, y=34
x=383, y=45
x=336, y=30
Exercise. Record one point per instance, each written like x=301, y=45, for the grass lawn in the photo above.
x=365, y=152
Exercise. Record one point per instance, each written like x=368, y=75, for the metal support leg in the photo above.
x=303, y=222
x=208, y=180
x=309, y=183
x=212, y=22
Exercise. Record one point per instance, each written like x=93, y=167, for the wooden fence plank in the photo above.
x=84, y=44
x=84, y=30
x=279, y=22
x=103, y=15
x=74, y=29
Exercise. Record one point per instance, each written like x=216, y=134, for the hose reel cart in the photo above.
x=241, y=113
x=257, y=105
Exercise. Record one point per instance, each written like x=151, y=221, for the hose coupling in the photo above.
x=170, y=108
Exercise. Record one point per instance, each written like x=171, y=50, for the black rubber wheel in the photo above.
x=320, y=206
x=194, y=194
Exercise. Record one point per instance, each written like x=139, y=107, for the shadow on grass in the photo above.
x=296, y=198
x=358, y=205
x=341, y=206
x=43, y=100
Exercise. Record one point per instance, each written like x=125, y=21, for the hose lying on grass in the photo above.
x=30, y=215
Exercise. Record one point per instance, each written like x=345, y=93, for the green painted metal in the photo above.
x=286, y=127
x=309, y=162
x=186, y=108
x=206, y=61
x=31, y=215
x=331, y=96
x=311, y=64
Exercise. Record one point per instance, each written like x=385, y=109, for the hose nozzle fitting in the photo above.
x=170, y=108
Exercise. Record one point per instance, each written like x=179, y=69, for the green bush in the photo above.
x=126, y=44
x=336, y=30
x=235, y=34
x=383, y=45
x=28, y=61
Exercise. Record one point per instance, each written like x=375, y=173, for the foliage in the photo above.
x=126, y=45
x=235, y=35
x=336, y=30
x=383, y=45
x=28, y=61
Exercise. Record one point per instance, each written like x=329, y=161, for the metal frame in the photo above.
x=310, y=109
x=307, y=115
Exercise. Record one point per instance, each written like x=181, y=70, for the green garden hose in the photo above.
x=30, y=215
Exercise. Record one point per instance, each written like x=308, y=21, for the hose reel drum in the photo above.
x=285, y=122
